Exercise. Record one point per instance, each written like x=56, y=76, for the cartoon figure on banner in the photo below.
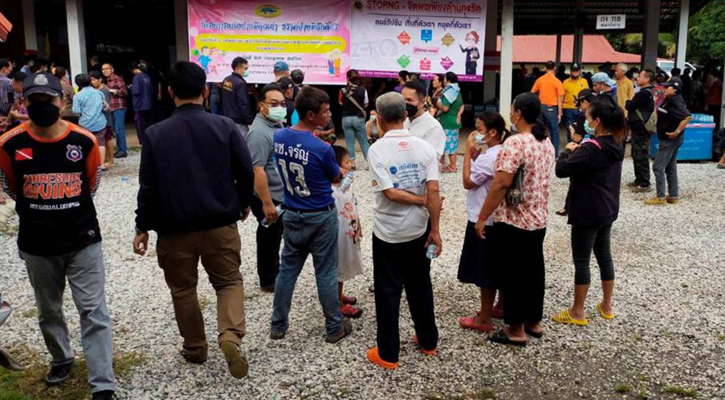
x=331, y=65
x=216, y=59
x=204, y=58
x=337, y=61
x=472, y=53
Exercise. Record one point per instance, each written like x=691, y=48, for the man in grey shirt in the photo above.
x=268, y=189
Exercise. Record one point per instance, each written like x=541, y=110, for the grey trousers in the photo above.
x=86, y=276
x=666, y=165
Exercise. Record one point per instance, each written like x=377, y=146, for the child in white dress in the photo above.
x=350, y=234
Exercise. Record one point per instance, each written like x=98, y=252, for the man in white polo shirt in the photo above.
x=406, y=214
x=420, y=123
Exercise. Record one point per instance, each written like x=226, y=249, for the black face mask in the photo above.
x=412, y=110
x=43, y=114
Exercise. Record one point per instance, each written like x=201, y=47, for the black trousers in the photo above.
x=640, y=157
x=522, y=273
x=584, y=239
x=268, y=242
x=397, y=266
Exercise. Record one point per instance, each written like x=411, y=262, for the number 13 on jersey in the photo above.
x=298, y=172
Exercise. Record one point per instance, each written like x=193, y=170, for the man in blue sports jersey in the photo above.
x=307, y=167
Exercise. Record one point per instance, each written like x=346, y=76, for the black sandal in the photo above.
x=533, y=334
x=500, y=337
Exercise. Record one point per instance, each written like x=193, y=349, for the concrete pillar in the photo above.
x=31, y=35
x=181, y=21
x=650, y=40
x=682, y=34
x=507, y=57
x=578, y=44
x=558, y=50
x=76, y=37
x=489, y=77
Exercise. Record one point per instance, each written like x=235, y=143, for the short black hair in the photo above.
x=297, y=76
x=310, y=99
x=95, y=74
x=649, y=74
x=403, y=74
x=353, y=76
x=340, y=153
x=237, y=61
x=59, y=72
x=187, y=80
x=418, y=87
x=83, y=80
x=272, y=87
x=134, y=65
x=4, y=63
x=550, y=65
x=451, y=77
x=676, y=71
x=19, y=76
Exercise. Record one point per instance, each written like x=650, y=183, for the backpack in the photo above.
x=650, y=124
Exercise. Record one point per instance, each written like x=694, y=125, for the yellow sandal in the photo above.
x=603, y=314
x=565, y=318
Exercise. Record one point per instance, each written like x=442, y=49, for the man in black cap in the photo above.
x=672, y=118
x=287, y=86
x=640, y=109
x=572, y=86
x=52, y=170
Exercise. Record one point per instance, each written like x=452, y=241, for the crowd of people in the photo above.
x=270, y=151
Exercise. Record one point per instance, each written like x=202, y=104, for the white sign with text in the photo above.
x=616, y=21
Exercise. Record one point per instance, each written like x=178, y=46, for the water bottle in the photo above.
x=431, y=252
x=347, y=182
x=280, y=211
x=586, y=138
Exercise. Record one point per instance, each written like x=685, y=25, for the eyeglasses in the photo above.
x=275, y=104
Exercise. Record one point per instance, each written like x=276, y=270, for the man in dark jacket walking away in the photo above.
x=640, y=109
x=235, y=96
x=196, y=183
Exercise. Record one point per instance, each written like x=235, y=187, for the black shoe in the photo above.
x=118, y=154
x=103, y=395
x=58, y=373
x=277, y=335
x=267, y=289
x=345, y=330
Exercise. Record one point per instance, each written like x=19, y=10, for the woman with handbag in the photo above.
x=595, y=169
x=354, y=100
x=518, y=201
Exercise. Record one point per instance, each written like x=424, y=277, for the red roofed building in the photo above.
x=538, y=49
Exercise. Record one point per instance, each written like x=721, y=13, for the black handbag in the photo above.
x=515, y=193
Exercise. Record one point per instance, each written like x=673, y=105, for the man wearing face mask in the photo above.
x=51, y=168
x=268, y=187
x=235, y=96
x=194, y=207
x=420, y=123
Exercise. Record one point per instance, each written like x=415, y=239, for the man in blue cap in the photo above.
x=281, y=70
x=602, y=85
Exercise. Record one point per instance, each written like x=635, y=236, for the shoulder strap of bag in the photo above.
x=348, y=94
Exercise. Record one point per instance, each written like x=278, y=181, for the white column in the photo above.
x=682, y=34
x=507, y=56
x=489, y=77
x=31, y=35
x=76, y=37
x=650, y=40
x=557, y=60
x=182, y=30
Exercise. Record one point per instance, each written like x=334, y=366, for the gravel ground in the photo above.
x=669, y=330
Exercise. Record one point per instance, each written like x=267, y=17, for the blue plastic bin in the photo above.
x=697, y=144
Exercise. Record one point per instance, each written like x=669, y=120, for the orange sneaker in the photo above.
x=374, y=357
x=424, y=351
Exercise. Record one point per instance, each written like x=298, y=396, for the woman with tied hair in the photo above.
x=520, y=220
x=595, y=169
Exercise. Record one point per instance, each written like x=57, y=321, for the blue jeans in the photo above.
x=306, y=233
x=570, y=116
x=666, y=165
x=550, y=117
x=119, y=126
x=354, y=127
x=215, y=104
x=86, y=276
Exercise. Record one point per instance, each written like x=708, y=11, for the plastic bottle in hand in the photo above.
x=280, y=211
x=586, y=138
x=347, y=182
x=431, y=252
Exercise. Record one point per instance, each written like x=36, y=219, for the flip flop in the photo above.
x=501, y=338
x=7, y=361
x=565, y=318
x=533, y=334
x=470, y=323
x=602, y=313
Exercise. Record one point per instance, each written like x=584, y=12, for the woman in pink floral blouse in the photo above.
x=522, y=226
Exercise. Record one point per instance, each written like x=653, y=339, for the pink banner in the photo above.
x=293, y=31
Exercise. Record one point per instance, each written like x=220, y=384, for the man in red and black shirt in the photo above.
x=118, y=90
x=50, y=167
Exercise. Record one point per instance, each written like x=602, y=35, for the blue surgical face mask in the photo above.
x=480, y=138
x=589, y=130
x=245, y=73
x=277, y=114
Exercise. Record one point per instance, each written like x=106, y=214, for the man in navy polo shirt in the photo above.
x=307, y=167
